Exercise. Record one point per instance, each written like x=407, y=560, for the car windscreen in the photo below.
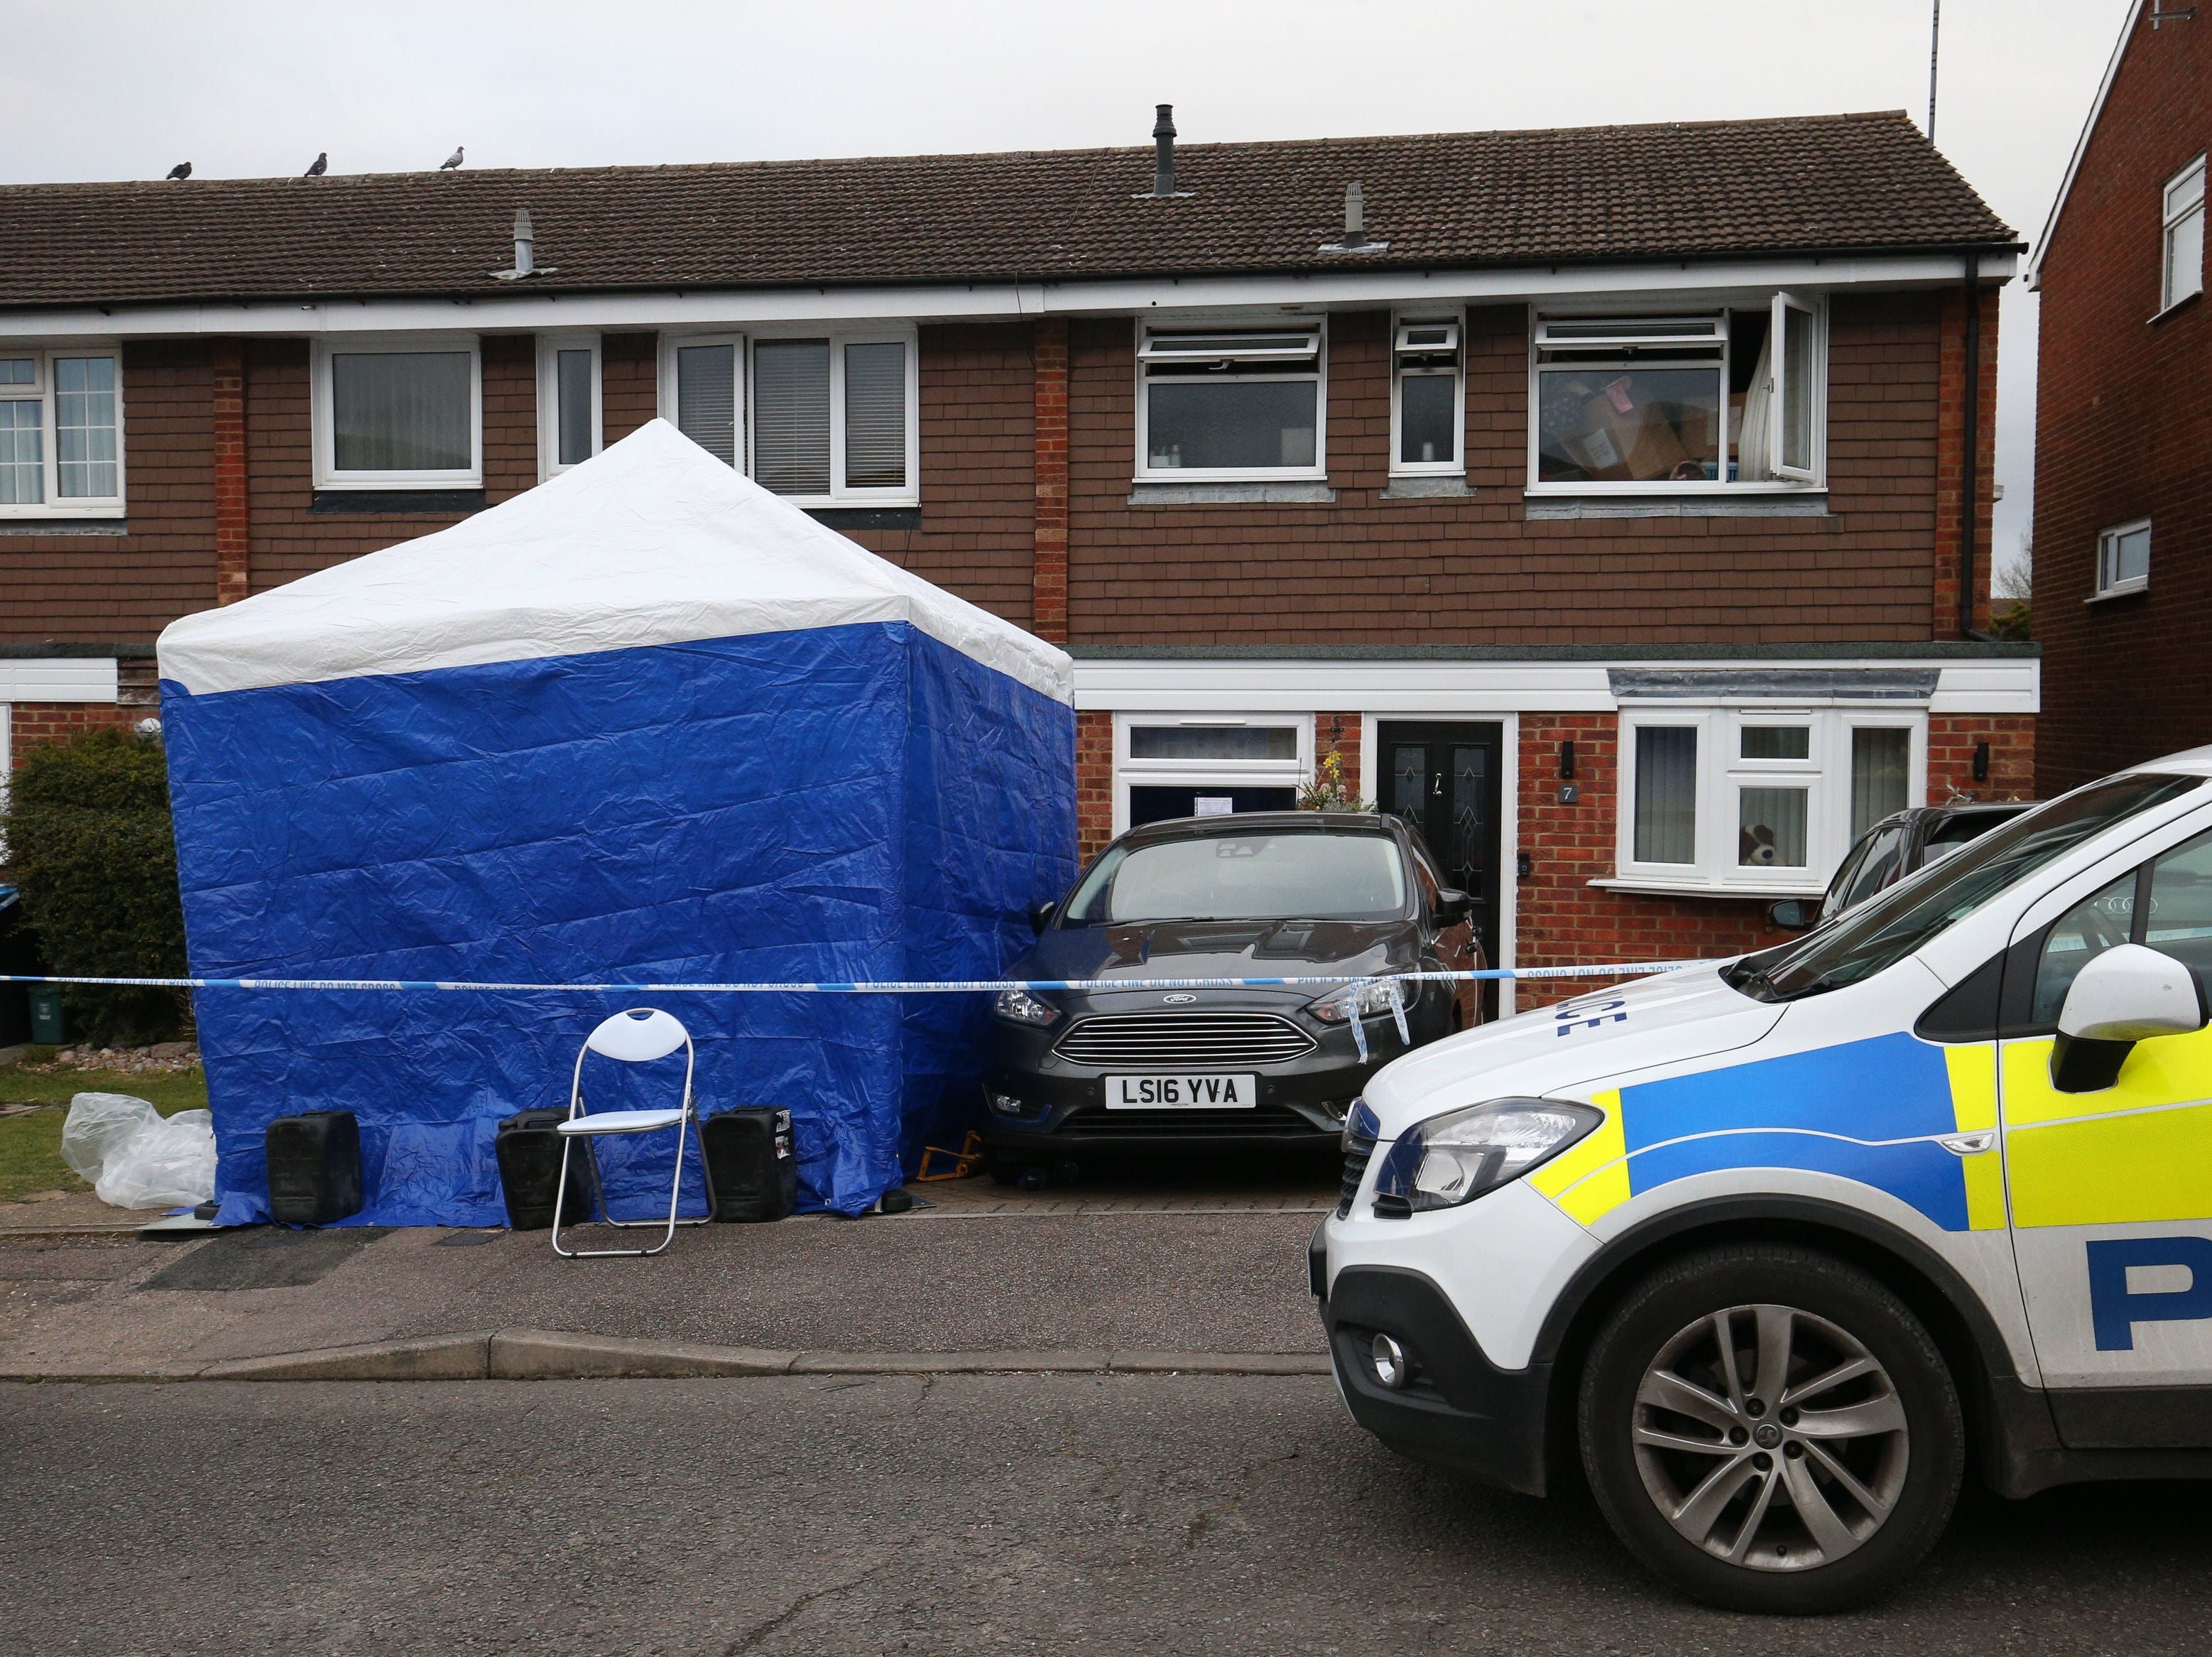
x=1297, y=875
x=1885, y=929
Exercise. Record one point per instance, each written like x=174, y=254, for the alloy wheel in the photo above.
x=1770, y=1438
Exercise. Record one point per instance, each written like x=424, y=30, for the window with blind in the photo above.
x=61, y=432
x=827, y=418
x=398, y=414
x=1746, y=800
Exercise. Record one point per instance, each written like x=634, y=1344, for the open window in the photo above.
x=1757, y=801
x=398, y=413
x=61, y=432
x=570, y=428
x=1708, y=401
x=1428, y=413
x=2183, y=255
x=1217, y=403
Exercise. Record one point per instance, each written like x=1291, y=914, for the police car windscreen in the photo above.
x=1888, y=928
x=1298, y=876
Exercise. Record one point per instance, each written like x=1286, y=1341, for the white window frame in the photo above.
x=2170, y=219
x=840, y=336
x=1207, y=773
x=666, y=399
x=1456, y=467
x=1790, y=481
x=2107, y=543
x=1826, y=773
x=327, y=474
x=549, y=347
x=1243, y=323
x=42, y=392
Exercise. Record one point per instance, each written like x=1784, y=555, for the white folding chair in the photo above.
x=635, y=1036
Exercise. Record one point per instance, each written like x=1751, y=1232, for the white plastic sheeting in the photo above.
x=134, y=1156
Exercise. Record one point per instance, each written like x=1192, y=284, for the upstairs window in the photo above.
x=828, y=419
x=398, y=414
x=1758, y=801
x=1428, y=416
x=1713, y=401
x=2123, y=559
x=1221, y=404
x=2183, y=265
x=61, y=432
x=569, y=427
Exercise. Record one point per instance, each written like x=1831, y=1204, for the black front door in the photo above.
x=1445, y=781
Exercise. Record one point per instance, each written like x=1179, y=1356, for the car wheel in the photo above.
x=1771, y=1429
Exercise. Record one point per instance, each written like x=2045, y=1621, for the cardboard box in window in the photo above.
x=1624, y=440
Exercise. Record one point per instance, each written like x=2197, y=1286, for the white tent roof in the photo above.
x=653, y=542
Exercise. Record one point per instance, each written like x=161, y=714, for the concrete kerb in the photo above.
x=550, y=1355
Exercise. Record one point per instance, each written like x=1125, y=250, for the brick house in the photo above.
x=2124, y=416
x=1601, y=497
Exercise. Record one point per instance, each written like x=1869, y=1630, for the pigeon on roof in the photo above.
x=181, y=170
x=317, y=167
x=452, y=161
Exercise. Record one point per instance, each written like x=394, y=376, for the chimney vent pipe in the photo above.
x=1164, y=137
x=525, y=244
x=1355, y=215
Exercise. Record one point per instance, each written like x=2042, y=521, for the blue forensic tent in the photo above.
x=646, y=722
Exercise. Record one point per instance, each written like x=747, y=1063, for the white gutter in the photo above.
x=980, y=301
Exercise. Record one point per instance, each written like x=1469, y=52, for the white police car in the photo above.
x=1779, y=1251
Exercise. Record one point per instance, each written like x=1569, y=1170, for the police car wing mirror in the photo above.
x=2129, y=994
x=1791, y=914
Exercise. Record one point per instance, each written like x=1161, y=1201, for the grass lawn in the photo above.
x=30, y=1144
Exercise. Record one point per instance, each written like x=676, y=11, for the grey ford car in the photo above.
x=1258, y=894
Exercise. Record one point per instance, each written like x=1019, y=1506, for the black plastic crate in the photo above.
x=314, y=1167
x=750, y=1161
x=528, y=1145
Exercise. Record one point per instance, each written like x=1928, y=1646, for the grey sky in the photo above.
x=100, y=90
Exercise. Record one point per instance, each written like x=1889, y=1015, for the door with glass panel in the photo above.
x=1445, y=780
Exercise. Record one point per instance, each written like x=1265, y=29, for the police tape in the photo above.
x=880, y=987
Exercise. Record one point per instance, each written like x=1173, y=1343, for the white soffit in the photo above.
x=58, y=678
x=1165, y=685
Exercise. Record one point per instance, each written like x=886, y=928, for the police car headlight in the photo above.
x=1455, y=1158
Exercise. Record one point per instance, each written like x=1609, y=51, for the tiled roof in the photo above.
x=1835, y=183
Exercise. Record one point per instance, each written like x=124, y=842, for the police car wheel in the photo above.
x=1771, y=1429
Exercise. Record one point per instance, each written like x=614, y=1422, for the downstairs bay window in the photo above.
x=1729, y=800
x=1715, y=402
x=1229, y=404
x=61, y=432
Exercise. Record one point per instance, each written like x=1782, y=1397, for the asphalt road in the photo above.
x=984, y=1513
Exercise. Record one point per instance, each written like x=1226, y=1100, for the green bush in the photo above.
x=88, y=841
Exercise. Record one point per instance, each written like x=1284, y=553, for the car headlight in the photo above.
x=1455, y=1158
x=1372, y=999
x=1023, y=1007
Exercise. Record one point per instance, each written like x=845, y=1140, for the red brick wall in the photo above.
x=103, y=588
x=2123, y=430
x=1950, y=447
x=1474, y=571
x=1048, y=557
x=31, y=722
x=1339, y=734
x=629, y=382
x=1564, y=921
x=1952, y=738
x=1094, y=783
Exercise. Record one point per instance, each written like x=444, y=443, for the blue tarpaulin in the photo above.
x=646, y=722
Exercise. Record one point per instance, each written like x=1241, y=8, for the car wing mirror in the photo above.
x=1453, y=906
x=1041, y=917
x=2129, y=994
x=1791, y=914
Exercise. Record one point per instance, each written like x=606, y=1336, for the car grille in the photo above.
x=1202, y=1040
x=1261, y=1120
x=1358, y=1153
